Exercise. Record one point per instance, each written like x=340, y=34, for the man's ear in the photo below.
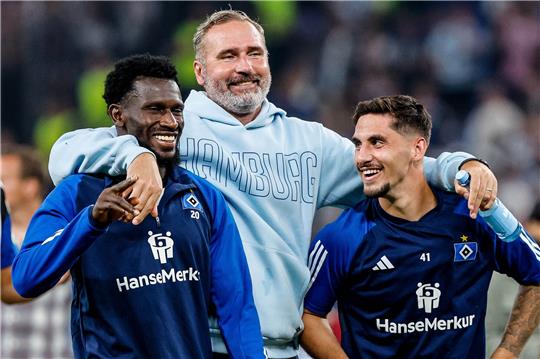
x=115, y=113
x=198, y=69
x=419, y=149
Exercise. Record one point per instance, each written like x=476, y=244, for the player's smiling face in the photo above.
x=153, y=114
x=234, y=72
x=383, y=156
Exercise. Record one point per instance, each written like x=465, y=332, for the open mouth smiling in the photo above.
x=369, y=173
x=166, y=138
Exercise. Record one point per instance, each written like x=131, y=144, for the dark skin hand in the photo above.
x=111, y=204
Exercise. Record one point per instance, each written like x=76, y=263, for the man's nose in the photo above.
x=169, y=120
x=363, y=155
x=243, y=65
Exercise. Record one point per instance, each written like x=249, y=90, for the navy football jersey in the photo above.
x=144, y=291
x=413, y=289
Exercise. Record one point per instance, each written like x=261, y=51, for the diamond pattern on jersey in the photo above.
x=465, y=251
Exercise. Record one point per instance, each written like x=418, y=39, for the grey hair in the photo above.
x=217, y=18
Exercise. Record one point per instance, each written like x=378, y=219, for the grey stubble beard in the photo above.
x=245, y=103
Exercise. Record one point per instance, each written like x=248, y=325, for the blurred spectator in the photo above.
x=8, y=252
x=39, y=329
x=447, y=130
x=492, y=129
x=295, y=90
x=457, y=48
x=518, y=37
x=26, y=183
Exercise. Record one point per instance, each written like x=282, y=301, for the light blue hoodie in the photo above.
x=274, y=172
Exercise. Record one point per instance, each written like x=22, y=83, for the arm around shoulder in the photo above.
x=442, y=170
x=340, y=183
x=97, y=150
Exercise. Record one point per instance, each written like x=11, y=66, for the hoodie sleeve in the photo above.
x=231, y=281
x=57, y=236
x=97, y=150
x=441, y=171
x=341, y=184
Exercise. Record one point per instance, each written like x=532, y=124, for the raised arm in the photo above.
x=524, y=319
x=231, y=282
x=100, y=150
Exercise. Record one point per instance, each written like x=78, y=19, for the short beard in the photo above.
x=243, y=104
x=167, y=163
x=377, y=192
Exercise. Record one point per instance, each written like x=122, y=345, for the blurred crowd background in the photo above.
x=475, y=65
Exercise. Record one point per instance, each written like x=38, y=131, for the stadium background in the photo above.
x=475, y=65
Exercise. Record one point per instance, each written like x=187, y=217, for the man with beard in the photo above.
x=143, y=291
x=408, y=267
x=275, y=171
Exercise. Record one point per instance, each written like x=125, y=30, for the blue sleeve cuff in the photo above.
x=92, y=222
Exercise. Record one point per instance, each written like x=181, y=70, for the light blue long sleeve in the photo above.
x=98, y=150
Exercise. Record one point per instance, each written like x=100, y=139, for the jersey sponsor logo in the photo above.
x=316, y=260
x=425, y=325
x=465, y=251
x=428, y=296
x=161, y=277
x=161, y=245
x=383, y=264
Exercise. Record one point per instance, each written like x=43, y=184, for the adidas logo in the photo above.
x=383, y=264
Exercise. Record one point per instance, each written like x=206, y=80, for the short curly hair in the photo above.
x=119, y=82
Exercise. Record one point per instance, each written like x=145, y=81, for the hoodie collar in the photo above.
x=199, y=104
